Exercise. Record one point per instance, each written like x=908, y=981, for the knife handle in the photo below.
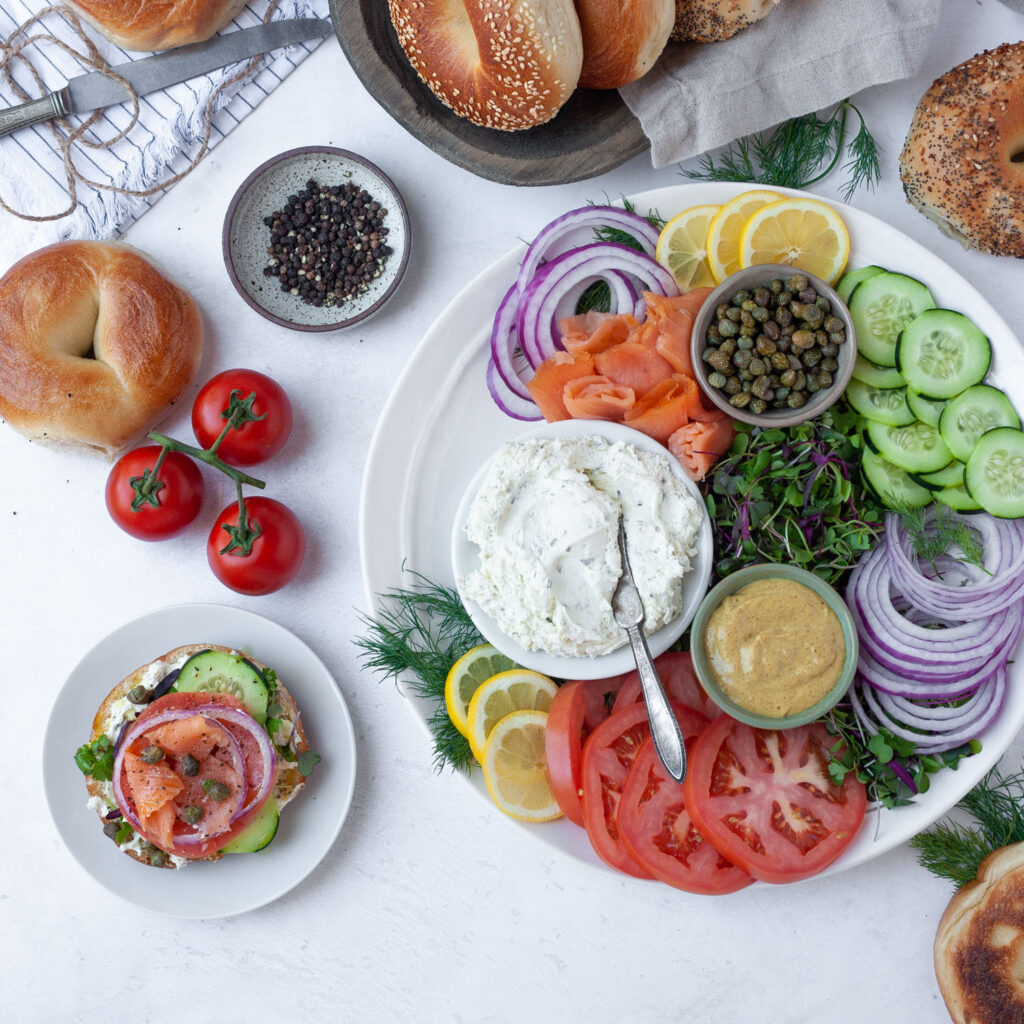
x=43, y=109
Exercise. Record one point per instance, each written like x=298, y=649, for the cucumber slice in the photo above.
x=927, y=410
x=995, y=473
x=942, y=353
x=887, y=405
x=877, y=376
x=916, y=447
x=259, y=832
x=880, y=308
x=224, y=672
x=949, y=476
x=894, y=487
x=849, y=281
x=958, y=499
x=972, y=413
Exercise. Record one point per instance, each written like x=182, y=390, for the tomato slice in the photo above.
x=675, y=668
x=607, y=757
x=659, y=832
x=765, y=801
x=577, y=709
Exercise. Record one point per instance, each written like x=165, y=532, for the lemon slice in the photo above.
x=465, y=677
x=682, y=247
x=516, y=690
x=515, y=767
x=727, y=226
x=804, y=233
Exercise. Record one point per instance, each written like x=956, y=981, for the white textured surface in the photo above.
x=430, y=907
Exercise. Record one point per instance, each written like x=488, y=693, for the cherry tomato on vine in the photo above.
x=274, y=556
x=262, y=430
x=154, y=506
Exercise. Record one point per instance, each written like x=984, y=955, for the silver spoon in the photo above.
x=628, y=610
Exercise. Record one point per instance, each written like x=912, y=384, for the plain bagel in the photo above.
x=963, y=162
x=157, y=24
x=95, y=344
x=505, y=64
x=622, y=39
x=979, y=946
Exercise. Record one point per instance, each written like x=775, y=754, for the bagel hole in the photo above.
x=1018, y=157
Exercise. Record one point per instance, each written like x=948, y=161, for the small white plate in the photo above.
x=466, y=559
x=309, y=825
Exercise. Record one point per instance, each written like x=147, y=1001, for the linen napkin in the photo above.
x=169, y=132
x=805, y=55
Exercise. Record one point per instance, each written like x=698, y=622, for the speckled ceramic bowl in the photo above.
x=737, y=581
x=748, y=279
x=246, y=238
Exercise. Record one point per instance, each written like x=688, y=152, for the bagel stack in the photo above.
x=979, y=946
x=157, y=24
x=96, y=343
x=962, y=164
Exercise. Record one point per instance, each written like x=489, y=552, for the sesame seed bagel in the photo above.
x=963, y=162
x=979, y=946
x=288, y=780
x=504, y=64
x=710, y=21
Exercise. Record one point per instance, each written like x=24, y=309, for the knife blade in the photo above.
x=95, y=90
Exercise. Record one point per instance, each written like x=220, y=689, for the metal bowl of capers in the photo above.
x=773, y=346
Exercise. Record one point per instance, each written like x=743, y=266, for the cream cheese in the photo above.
x=122, y=709
x=546, y=522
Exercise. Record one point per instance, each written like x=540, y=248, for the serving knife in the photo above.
x=95, y=90
x=628, y=609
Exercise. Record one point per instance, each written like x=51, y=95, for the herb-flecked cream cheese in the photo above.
x=546, y=522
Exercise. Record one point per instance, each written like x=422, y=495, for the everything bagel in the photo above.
x=95, y=344
x=963, y=162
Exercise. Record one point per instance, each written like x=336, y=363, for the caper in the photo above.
x=158, y=859
x=762, y=388
x=747, y=385
x=721, y=310
x=189, y=766
x=823, y=304
x=797, y=283
x=784, y=344
x=829, y=349
x=812, y=384
x=139, y=694
x=765, y=346
x=820, y=338
x=218, y=791
x=825, y=379
x=807, y=295
x=775, y=286
x=716, y=359
x=152, y=754
x=717, y=380
x=801, y=381
x=728, y=346
x=787, y=378
x=760, y=314
x=740, y=401
x=734, y=313
x=742, y=359
x=779, y=361
x=192, y=813
x=748, y=306
x=813, y=357
x=762, y=296
x=771, y=329
x=789, y=330
x=802, y=340
x=744, y=342
x=839, y=337
x=784, y=299
x=812, y=315
x=781, y=394
x=733, y=386
x=746, y=376
x=796, y=400
x=111, y=828
x=727, y=329
x=747, y=318
x=757, y=406
x=783, y=316
x=794, y=362
x=829, y=364
x=748, y=331
x=833, y=323
x=741, y=296
x=757, y=367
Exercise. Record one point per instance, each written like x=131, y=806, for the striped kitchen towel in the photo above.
x=169, y=132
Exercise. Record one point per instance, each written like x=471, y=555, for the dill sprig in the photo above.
x=793, y=153
x=423, y=630
x=938, y=532
x=953, y=850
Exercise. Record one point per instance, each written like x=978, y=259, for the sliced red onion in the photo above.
x=241, y=718
x=547, y=243
x=507, y=400
x=569, y=275
x=504, y=343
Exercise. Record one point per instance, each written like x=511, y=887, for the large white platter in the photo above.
x=309, y=825
x=440, y=424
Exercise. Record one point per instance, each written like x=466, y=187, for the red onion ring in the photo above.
x=507, y=400
x=504, y=342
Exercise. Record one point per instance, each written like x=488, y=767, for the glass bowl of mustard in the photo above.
x=774, y=646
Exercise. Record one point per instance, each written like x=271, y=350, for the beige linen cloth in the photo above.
x=804, y=56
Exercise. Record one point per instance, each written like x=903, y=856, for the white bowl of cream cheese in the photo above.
x=535, y=553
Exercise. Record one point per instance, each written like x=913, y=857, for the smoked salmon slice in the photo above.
x=698, y=445
x=594, y=331
x=673, y=326
x=666, y=408
x=548, y=384
x=151, y=785
x=194, y=735
x=692, y=300
x=633, y=365
x=597, y=398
